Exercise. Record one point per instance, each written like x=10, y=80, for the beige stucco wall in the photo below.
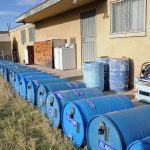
x=136, y=48
x=64, y=26
x=67, y=26
x=15, y=36
x=5, y=46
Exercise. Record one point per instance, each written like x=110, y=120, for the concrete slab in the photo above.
x=73, y=75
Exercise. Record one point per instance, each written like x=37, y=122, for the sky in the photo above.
x=10, y=9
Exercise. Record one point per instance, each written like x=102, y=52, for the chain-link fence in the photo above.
x=6, y=55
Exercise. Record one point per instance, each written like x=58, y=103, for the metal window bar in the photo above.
x=6, y=55
x=128, y=17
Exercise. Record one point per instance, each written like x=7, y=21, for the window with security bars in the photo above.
x=31, y=34
x=23, y=36
x=128, y=16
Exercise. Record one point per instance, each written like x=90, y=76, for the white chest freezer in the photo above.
x=57, y=57
x=65, y=58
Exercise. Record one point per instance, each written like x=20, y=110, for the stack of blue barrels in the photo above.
x=119, y=74
x=105, y=61
x=86, y=116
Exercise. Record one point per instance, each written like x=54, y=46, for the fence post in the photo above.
x=3, y=54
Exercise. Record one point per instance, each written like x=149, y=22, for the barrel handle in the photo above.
x=72, y=112
x=51, y=101
x=29, y=87
x=41, y=92
x=103, y=130
x=39, y=108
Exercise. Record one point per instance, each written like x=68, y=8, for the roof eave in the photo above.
x=38, y=8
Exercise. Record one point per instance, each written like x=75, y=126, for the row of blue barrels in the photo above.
x=75, y=107
x=44, y=89
x=124, y=130
x=76, y=115
x=107, y=73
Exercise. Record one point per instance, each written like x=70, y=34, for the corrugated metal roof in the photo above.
x=4, y=37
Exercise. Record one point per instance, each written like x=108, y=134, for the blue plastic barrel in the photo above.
x=10, y=75
x=105, y=61
x=119, y=74
x=17, y=71
x=25, y=78
x=76, y=115
x=119, y=129
x=56, y=100
x=33, y=85
x=8, y=70
x=143, y=144
x=53, y=87
x=93, y=74
x=19, y=75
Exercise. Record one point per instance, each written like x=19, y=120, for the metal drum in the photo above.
x=119, y=74
x=76, y=115
x=33, y=85
x=19, y=75
x=56, y=100
x=8, y=70
x=143, y=144
x=105, y=61
x=119, y=129
x=93, y=74
x=44, y=89
x=17, y=71
x=24, y=81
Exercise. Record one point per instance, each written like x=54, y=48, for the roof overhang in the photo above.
x=50, y=8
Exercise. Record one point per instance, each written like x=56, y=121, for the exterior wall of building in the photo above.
x=67, y=26
x=6, y=46
x=136, y=48
x=16, y=44
x=64, y=26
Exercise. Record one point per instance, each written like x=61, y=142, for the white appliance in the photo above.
x=65, y=58
x=57, y=57
x=26, y=56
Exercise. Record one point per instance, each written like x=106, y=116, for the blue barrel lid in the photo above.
x=117, y=130
x=31, y=92
x=53, y=109
x=73, y=127
x=41, y=93
x=99, y=139
x=143, y=144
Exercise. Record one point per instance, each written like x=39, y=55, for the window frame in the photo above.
x=25, y=35
x=31, y=41
x=127, y=33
